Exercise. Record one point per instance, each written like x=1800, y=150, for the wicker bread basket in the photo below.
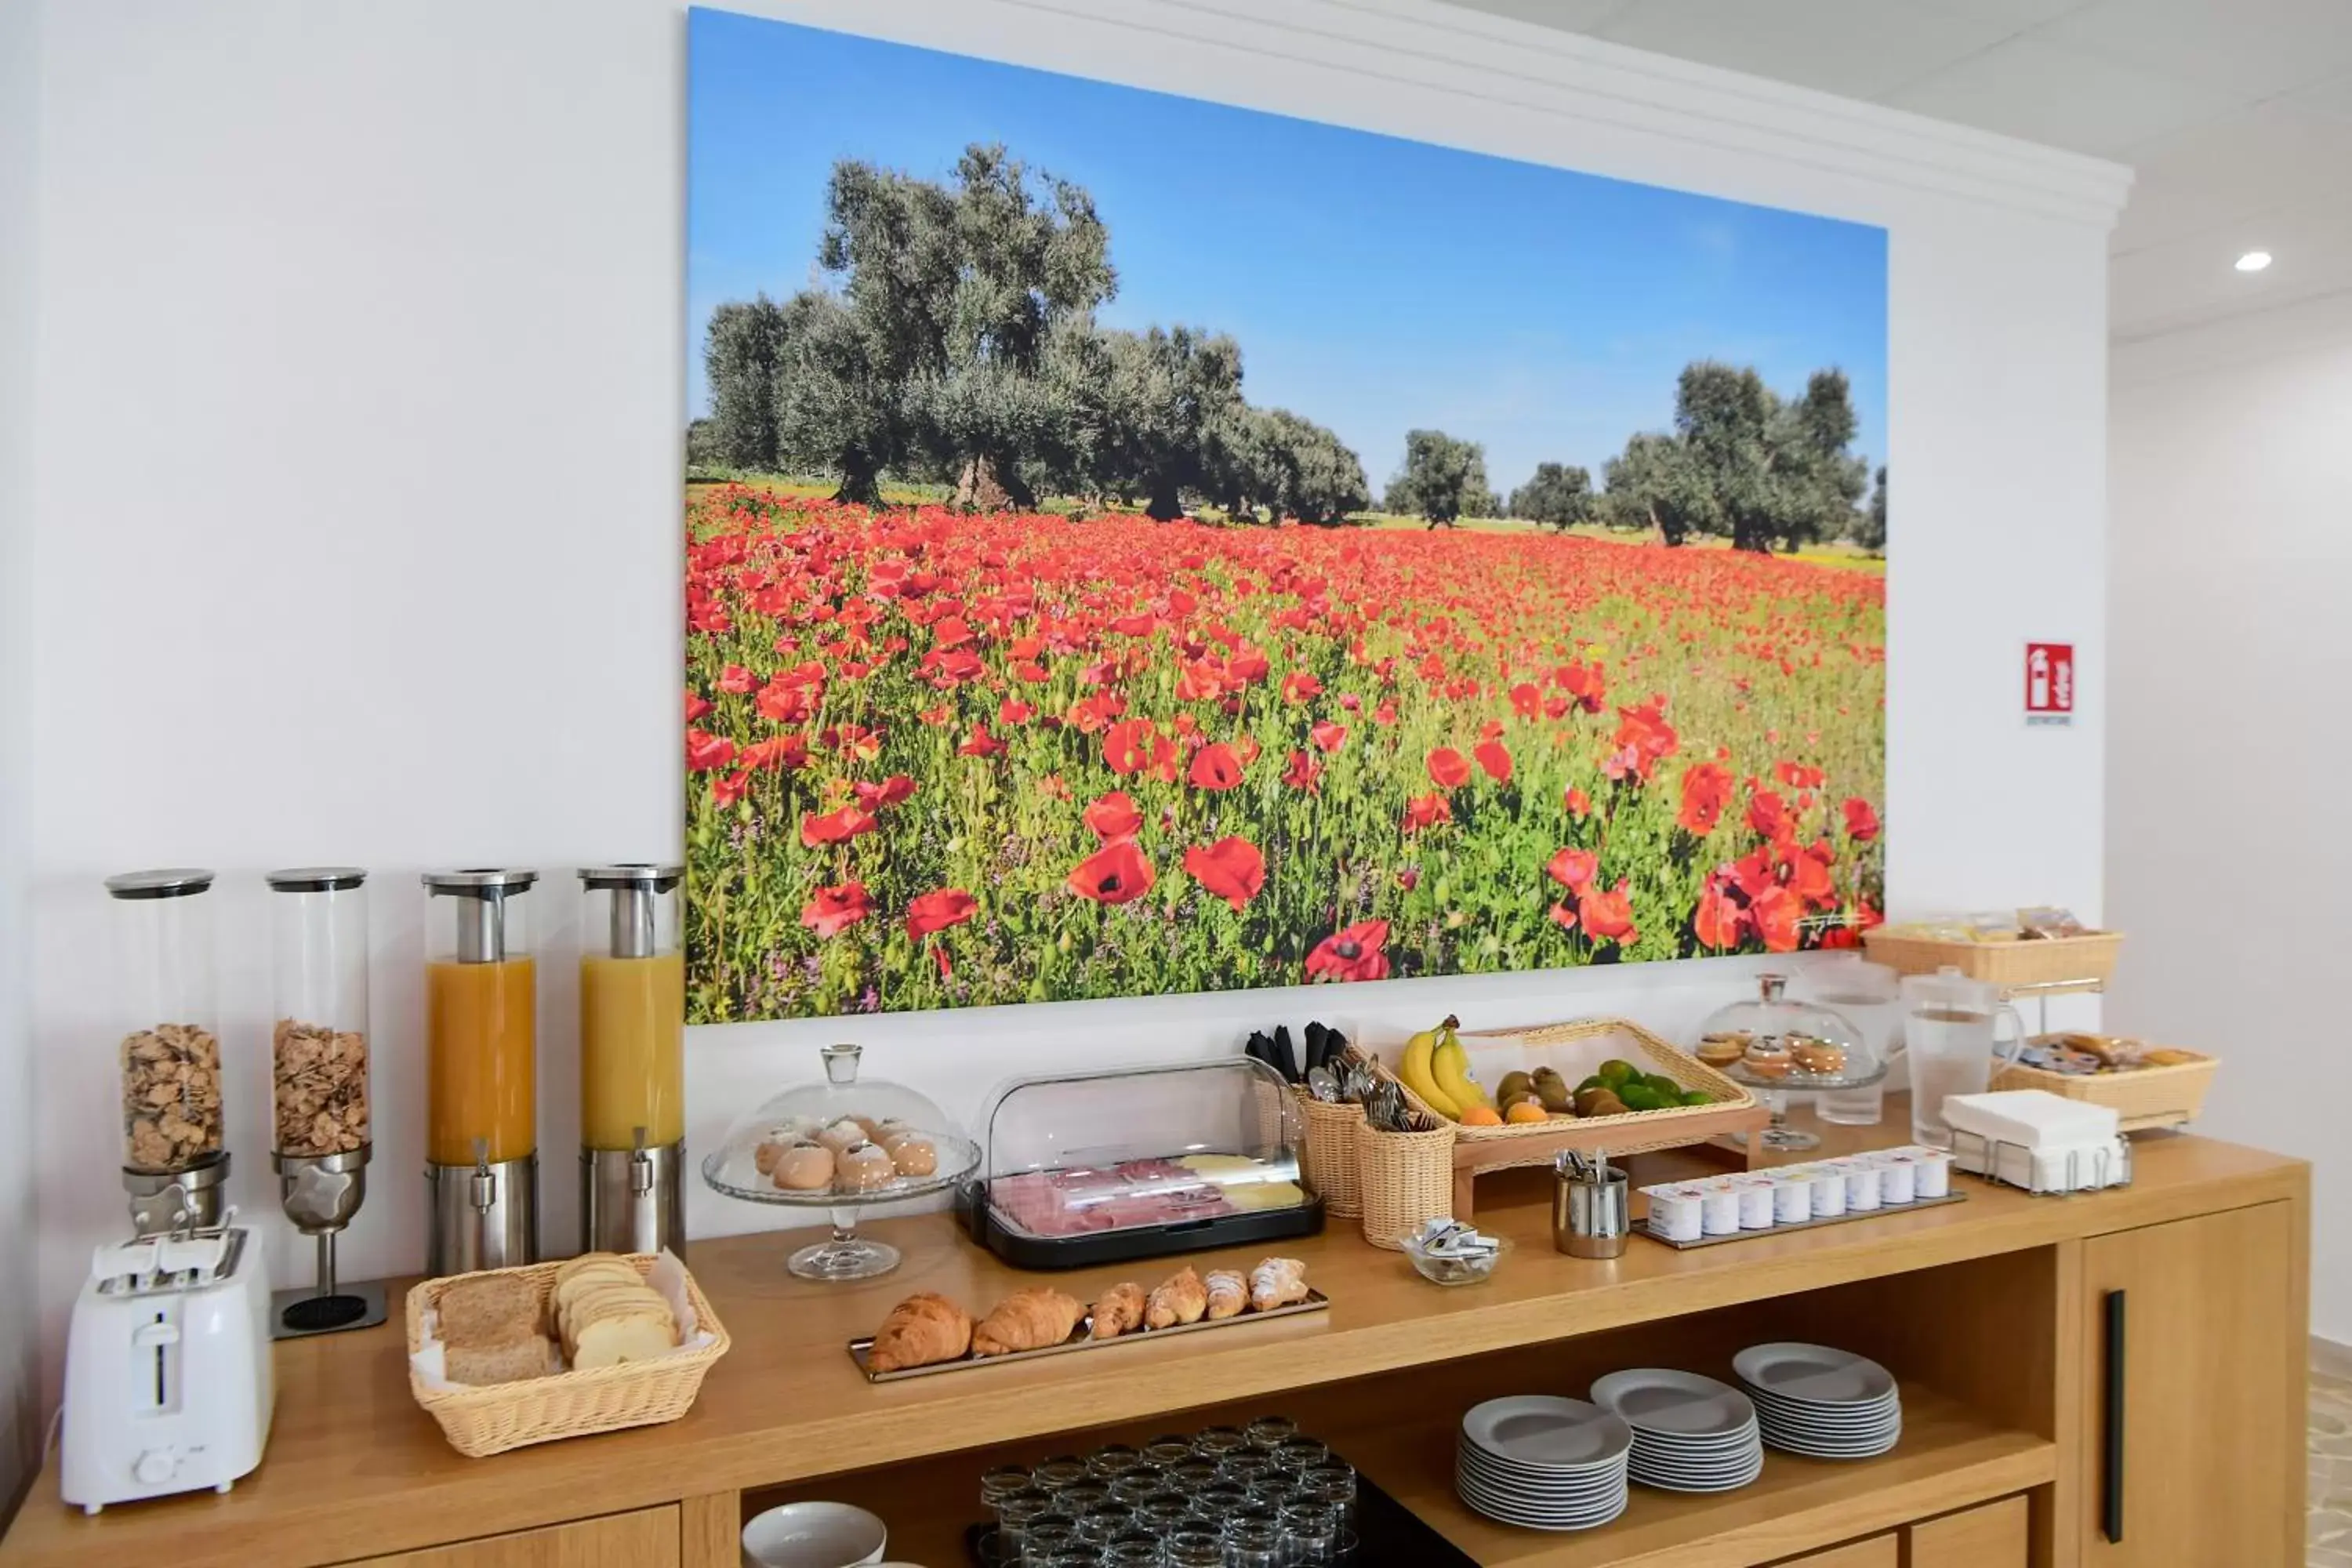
x=1328, y=1155
x=2142, y=1097
x=1402, y=1179
x=2083, y=963
x=491, y=1419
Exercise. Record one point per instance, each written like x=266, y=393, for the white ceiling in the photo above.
x=2236, y=113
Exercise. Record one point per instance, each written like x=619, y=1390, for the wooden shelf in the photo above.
x=1949, y=1458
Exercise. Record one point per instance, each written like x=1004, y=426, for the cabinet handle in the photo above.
x=2111, y=1454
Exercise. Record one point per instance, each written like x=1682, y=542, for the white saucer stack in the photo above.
x=1821, y=1403
x=1691, y=1434
x=1542, y=1462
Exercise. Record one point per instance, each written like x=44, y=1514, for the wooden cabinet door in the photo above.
x=2207, y=1387
x=645, y=1539
x=1992, y=1536
x=1878, y=1552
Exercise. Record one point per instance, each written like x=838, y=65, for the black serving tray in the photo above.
x=1246, y=1228
x=1388, y=1535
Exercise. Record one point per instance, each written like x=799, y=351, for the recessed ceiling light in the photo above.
x=2253, y=261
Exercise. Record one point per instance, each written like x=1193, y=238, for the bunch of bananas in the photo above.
x=1436, y=1068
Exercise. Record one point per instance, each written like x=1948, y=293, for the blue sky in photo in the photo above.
x=1375, y=285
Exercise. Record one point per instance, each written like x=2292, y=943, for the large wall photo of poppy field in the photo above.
x=1137, y=546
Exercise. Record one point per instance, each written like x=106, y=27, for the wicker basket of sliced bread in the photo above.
x=513, y=1356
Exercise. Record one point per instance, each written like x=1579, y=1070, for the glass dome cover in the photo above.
x=1821, y=1046
x=840, y=1144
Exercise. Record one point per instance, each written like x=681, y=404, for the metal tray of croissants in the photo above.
x=929, y=1333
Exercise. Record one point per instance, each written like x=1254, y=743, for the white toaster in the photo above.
x=168, y=1385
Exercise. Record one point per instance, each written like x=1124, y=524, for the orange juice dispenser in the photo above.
x=631, y=1059
x=481, y=1126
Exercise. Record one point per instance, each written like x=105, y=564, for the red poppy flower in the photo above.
x=1353, y=953
x=1030, y=670
x=736, y=681
x=1719, y=918
x=1245, y=748
x=1527, y=701
x=1114, y=874
x=1426, y=811
x=938, y=718
x=1563, y=917
x=1797, y=775
x=776, y=752
x=1012, y=711
x=951, y=631
x=1861, y=822
x=1769, y=816
x=837, y=826
x=1642, y=732
x=706, y=753
x=1579, y=804
x=1706, y=790
x=1327, y=736
x=1385, y=714
x=1231, y=869
x=935, y=912
x=1775, y=913
x=725, y=789
x=981, y=744
x=1495, y=758
x=1126, y=746
x=1809, y=877
x=1448, y=769
x=1585, y=683
x=1299, y=686
x=1054, y=787
x=1608, y=917
x=1217, y=767
x=1113, y=816
x=1303, y=773
x=1841, y=936
x=891, y=791
x=832, y=911
x=1573, y=868
x=696, y=707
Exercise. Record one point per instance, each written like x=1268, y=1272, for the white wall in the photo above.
x=2227, y=856
x=19, y=133
x=360, y=383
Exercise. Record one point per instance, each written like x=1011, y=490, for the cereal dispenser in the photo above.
x=319, y=1141
x=631, y=1059
x=174, y=1164
x=481, y=1071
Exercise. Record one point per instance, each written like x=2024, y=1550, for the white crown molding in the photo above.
x=2317, y=324
x=1439, y=73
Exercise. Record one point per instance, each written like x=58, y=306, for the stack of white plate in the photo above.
x=1542, y=1462
x=1822, y=1403
x=1691, y=1434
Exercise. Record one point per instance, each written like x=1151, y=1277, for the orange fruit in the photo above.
x=1527, y=1110
x=1481, y=1116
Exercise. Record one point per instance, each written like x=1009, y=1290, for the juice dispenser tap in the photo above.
x=320, y=1139
x=481, y=1071
x=632, y=1060
x=174, y=1163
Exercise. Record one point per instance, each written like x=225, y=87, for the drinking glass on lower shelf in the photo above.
x=1115, y=1460
x=1167, y=1512
x=1016, y=1509
x=1217, y=1442
x=1063, y=1470
x=1254, y=1544
x=1050, y=1536
x=1108, y=1523
x=1311, y=1528
x=1133, y=1552
x=1195, y=1548
x=1267, y=1431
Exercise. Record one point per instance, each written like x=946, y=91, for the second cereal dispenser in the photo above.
x=632, y=1060
x=319, y=1142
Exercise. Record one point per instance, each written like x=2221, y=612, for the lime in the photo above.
x=1615, y=1070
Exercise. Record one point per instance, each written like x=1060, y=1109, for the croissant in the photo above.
x=919, y=1330
x=1179, y=1299
x=1029, y=1320
x=1228, y=1293
x=1119, y=1311
x=1277, y=1282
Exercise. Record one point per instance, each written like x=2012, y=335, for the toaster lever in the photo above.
x=154, y=1335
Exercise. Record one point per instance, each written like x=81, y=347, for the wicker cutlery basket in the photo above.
x=496, y=1417
x=1329, y=1158
x=1402, y=1180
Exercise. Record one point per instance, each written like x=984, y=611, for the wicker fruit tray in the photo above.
x=1576, y=1049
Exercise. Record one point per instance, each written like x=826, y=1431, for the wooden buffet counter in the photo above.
x=1988, y=1312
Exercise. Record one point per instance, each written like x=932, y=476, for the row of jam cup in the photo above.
x=1795, y=1195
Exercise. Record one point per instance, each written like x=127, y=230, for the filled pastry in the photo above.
x=861, y=1167
x=804, y=1167
x=1277, y=1282
x=1228, y=1293
x=1031, y=1320
x=839, y=1135
x=913, y=1155
x=1179, y=1299
x=1119, y=1311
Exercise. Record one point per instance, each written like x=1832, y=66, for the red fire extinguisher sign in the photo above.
x=2049, y=682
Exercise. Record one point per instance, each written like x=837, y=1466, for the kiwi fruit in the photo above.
x=1514, y=1086
x=1598, y=1102
x=1595, y=1082
x=1553, y=1092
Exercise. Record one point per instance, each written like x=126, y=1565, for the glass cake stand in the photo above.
x=1779, y=1135
x=733, y=1167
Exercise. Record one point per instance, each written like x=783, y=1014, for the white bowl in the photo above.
x=814, y=1535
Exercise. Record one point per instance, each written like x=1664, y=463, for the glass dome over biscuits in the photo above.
x=842, y=1144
